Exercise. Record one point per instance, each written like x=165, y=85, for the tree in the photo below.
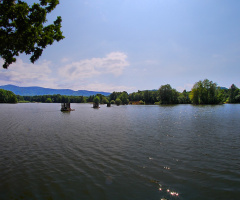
x=233, y=92
x=7, y=96
x=237, y=98
x=48, y=100
x=114, y=95
x=90, y=98
x=83, y=99
x=124, y=98
x=118, y=101
x=206, y=92
x=184, y=98
x=22, y=29
x=167, y=95
x=165, y=92
x=96, y=100
x=105, y=100
x=174, y=97
x=65, y=99
x=146, y=96
x=153, y=97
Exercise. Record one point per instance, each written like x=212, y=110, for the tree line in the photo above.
x=56, y=98
x=203, y=92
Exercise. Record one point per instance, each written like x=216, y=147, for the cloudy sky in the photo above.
x=117, y=45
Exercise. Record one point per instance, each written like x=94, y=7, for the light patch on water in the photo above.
x=167, y=168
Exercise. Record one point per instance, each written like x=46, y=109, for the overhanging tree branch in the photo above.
x=22, y=29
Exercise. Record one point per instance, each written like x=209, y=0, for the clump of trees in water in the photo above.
x=203, y=92
x=96, y=102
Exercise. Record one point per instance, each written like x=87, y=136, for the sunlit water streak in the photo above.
x=125, y=152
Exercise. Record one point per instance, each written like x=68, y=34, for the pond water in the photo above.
x=122, y=152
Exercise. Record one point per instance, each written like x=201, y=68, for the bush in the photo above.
x=118, y=101
x=48, y=100
x=96, y=99
x=105, y=101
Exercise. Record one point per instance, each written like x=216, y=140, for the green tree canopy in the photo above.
x=65, y=99
x=48, y=100
x=233, y=93
x=7, y=96
x=124, y=97
x=114, y=95
x=184, y=97
x=105, y=100
x=118, y=101
x=147, y=96
x=167, y=95
x=22, y=29
x=205, y=92
x=96, y=99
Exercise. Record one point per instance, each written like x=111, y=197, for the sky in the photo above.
x=131, y=45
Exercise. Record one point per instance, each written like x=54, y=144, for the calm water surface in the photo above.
x=126, y=152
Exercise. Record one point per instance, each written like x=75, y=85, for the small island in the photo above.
x=65, y=107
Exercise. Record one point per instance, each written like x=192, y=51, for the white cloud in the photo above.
x=101, y=87
x=78, y=75
x=27, y=74
x=114, y=63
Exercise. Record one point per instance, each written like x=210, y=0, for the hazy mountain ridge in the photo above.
x=32, y=91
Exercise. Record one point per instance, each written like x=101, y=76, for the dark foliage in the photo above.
x=22, y=29
x=7, y=96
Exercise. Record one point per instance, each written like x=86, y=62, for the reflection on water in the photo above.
x=122, y=152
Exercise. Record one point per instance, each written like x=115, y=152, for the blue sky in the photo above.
x=117, y=45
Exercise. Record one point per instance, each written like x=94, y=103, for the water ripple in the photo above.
x=126, y=152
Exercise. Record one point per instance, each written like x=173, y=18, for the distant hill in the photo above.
x=32, y=91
